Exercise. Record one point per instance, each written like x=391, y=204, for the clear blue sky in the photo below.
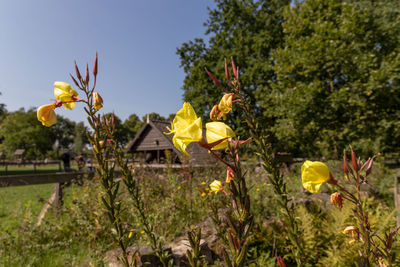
x=136, y=40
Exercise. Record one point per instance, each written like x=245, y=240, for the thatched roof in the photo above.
x=19, y=152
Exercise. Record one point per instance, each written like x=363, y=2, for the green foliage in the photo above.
x=79, y=234
x=244, y=29
x=154, y=116
x=338, y=77
x=320, y=75
x=132, y=124
x=22, y=130
x=80, y=137
x=3, y=112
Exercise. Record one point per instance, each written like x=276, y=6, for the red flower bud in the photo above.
x=78, y=74
x=95, y=65
x=354, y=160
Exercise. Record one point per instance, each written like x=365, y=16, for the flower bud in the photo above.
x=95, y=65
x=337, y=200
x=214, y=114
x=230, y=175
x=369, y=168
x=355, y=233
x=354, y=160
x=97, y=101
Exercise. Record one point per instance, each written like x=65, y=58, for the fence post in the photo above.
x=34, y=167
x=58, y=201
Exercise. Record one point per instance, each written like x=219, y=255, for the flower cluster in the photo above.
x=187, y=128
x=67, y=96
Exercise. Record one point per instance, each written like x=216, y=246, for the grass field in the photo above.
x=19, y=202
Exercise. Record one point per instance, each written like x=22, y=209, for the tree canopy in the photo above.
x=321, y=74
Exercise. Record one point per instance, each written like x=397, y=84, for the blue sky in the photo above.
x=136, y=40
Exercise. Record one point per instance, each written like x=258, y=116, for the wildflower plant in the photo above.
x=187, y=128
x=264, y=149
x=108, y=156
x=372, y=247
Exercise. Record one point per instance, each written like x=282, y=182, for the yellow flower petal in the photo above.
x=216, y=131
x=97, y=101
x=46, y=115
x=225, y=105
x=216, y=186
x=313, y=175
x=187, y=128
x=63, y=92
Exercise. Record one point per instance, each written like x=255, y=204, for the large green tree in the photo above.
x=132, y=124
x=338, y=77
x=246, y=30
x=3, y=111
x=321, y=74
x=22, y=130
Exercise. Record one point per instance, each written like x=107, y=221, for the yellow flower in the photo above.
x=130, y=235
x=187, y=128
x=203, y=194
x=216, y=186
x=97, y=101
x=225, y=105
x=203, y=183
x=46, y=115
x=179, y=187
x=63, y=91
x=216, y=131
x=313, y=175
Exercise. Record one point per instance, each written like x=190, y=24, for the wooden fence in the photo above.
x=34, y=164
x=56, y=197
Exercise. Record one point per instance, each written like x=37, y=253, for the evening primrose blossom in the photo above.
x=216, y=131
x=46, y=115
x=225, y=105
x=186, y=127
x=313, y=175
x=97, y=101
x=65, y=93
x=216, y=186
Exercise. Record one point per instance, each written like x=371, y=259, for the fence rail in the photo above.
x=31, y=179
x=35, y=164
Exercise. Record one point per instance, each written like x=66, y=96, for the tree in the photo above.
x=121, y=133
x=3, y=111
x=246, y=30
x=80, y=137
x=22, y=130
x=154, y=117
x=132, y=125
x=338, y=77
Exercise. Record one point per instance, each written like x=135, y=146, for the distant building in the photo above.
x=19, y=155
x=152, y=146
